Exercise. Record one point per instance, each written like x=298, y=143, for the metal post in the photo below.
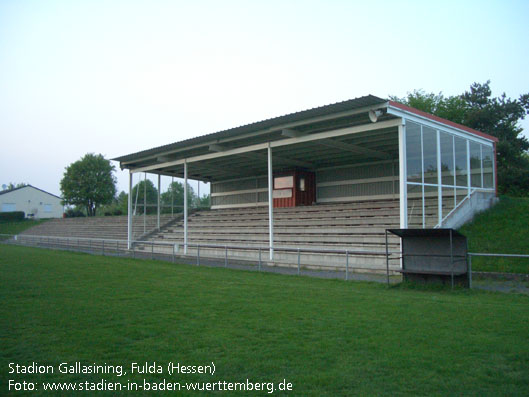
x=172, y=195
x=387, y=258
x=198, y=255
x=198, y=188
x=469, y=176
x=158, y=208
x=259, y=258
x=129, y=213
x=402, y=176
x=225, y=256
x=346, y=265
x=78, y=245
x=145, y=204
x=103, y=249
x=439, y=181
x=185, y=207
x=90, y=245
x=451, y=260
x=299, y=254
x=469, y=261
x=152, y=250
x=117, y=247
x=270, y=202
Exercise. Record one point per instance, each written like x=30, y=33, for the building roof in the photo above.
x=23, y=187
x=277, y=122
x=338, y=107
x=441, y=120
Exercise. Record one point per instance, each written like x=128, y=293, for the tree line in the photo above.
x=89, y=186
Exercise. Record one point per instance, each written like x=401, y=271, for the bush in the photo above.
x=12, y=216
x=73, y=213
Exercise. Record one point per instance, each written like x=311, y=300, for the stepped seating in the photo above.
x=358, y=226
x=108, y=227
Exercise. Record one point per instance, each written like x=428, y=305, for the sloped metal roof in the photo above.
x=338, y=107
x=25, y=186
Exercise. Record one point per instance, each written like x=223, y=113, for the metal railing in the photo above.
x=148, y=249
x=476, y=254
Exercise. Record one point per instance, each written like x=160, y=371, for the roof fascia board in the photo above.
x=452, y=128
x=283, y=142
x=280, y=127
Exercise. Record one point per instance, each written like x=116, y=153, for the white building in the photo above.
x=33, y=201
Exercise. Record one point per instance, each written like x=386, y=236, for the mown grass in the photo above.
x=502, y=229
x=327, y=337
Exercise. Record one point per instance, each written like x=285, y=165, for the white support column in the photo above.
x=185, y=207
x=270, y=202
x=402, y=176
x=422, y=179
x=145, y=204
x=469, y=179
x=129, y=213
x=455, y=169
x=172, y=196
x=158, y=207
x=439, y=180
x=481, y=158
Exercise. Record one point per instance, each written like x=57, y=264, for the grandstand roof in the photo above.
x=330, y=135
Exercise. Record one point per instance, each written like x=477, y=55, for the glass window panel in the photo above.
x=448, y=200
x=488, y=170
x=415, y=206
x=431, y=206
x=475, y=164
x=447, y=159
x=461, y=161
x=429, y=142
x=413, y=152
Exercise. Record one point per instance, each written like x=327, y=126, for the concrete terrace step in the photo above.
x=316, y=260
x=291, y=223
x=380, y=230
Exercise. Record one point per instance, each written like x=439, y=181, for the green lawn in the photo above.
x=327, y=337
x=503, y=229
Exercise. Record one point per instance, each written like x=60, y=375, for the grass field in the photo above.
x=502, y=229
x=326, y=337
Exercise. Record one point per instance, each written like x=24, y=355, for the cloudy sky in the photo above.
x=116, y=77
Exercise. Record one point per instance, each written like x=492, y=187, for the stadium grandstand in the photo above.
x=320, y=181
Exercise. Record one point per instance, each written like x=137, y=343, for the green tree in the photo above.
x=139, y=195
x=203, y=202
x=496, y=116
x=11, y=186
x=122, y=202
x=175, y=195
x=89, y=183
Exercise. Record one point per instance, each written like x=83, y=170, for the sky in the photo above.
x=117, y=77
